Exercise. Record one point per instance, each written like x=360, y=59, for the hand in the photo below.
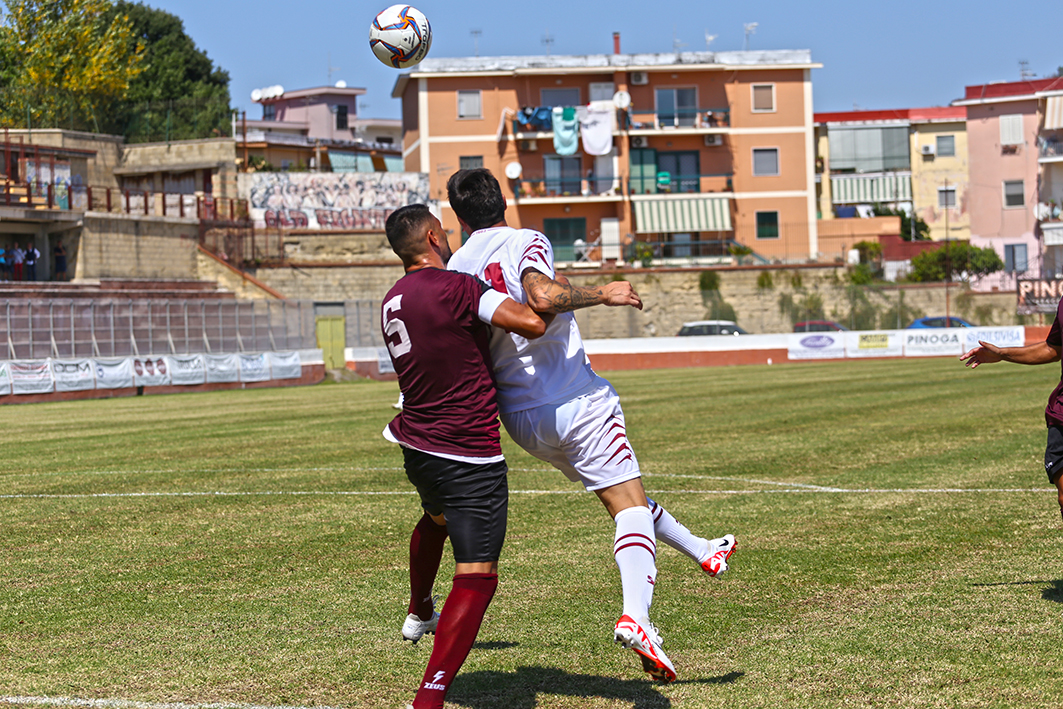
x=986, y=353
x=621, y=293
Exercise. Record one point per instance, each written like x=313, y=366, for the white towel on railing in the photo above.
x=596, y=130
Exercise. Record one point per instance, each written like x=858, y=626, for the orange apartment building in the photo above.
x=708, y=150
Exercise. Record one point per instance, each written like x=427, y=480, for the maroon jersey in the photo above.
x=1054, y=410
x=440, y=349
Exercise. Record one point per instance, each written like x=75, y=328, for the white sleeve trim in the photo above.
x=489, y=303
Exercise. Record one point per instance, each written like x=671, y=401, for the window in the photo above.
x=559, y=97
x=470, y=162
x=1011, y=129
x=1014, y=193
x=643, y=171
x=563, y=174
x=946, y=145
x=763, y=98
x=563, y=234
x=269, y=112
x=469, y=104
x=869, y=149
x=681, y=169
x=767, y=225
x=765, y=161
x=677, y=107
x=946, y=197
x=341, y=117
x=384, y=139
x=1015, y=258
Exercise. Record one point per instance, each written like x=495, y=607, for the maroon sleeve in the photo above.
x=1055, y=336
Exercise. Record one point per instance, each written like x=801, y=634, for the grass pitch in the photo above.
x=898, y=547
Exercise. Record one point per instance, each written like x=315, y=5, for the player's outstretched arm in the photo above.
x=516, y=317
x=548, y=295
x=987, y=353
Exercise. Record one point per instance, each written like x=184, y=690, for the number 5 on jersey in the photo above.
x=395, y=328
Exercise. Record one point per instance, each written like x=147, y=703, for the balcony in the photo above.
x=668, y=183
x=530, y=189
x=690, y=120
x=1050, y=150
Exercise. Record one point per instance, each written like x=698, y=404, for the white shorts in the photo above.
x=585, y=437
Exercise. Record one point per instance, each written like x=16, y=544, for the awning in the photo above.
x=670, y=216
x=1053, y=112
x=868, y=189
x=342, y=161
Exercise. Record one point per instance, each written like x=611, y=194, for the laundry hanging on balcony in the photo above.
x=566, y=130
x=596, y=130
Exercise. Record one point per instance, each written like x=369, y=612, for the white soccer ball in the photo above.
x=400, y=36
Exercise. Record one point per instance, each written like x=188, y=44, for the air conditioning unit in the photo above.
x=640, y=141
x=639, y=78
x=713, y=139
x=528, y=146
x=929, y=150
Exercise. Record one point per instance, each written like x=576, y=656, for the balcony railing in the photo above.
x=43, y=195
x=538, y=186
x=678, y=118
x=668, y=183
x=1051, y=149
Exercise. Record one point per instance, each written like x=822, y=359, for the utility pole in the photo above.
x=948, y=266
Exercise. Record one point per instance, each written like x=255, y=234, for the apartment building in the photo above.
x=680, y=157
x=1014, y=134
x=910, y=159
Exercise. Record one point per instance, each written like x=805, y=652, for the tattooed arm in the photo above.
x=547, y=295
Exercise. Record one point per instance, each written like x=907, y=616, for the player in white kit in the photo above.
x=555, y=407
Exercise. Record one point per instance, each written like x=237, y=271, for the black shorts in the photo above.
x=473, y=497
x=1054, y=453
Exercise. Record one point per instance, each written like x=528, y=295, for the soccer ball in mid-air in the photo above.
x=400, y=36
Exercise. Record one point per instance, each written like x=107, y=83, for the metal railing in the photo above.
x=35, y=329
x=45, y=195
x=642, y=119
x=666, y=182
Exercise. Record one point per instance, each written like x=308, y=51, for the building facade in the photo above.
x=676, y=158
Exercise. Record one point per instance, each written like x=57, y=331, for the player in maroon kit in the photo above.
x=1038, y=353
x=437, y=327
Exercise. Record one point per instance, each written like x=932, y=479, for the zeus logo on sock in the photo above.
x=434, y=684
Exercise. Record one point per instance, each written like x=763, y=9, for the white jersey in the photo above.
x=528, y=373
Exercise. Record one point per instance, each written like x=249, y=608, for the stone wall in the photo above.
x=331, y=283
x=123, y=246
x=339, y=247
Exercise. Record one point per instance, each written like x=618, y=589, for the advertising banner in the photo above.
x=113, y=373
x=31, y=377
x=73, y=374
x=874, y=343
x=186, y=370
x=254, y=368
x=150, y=372
x=933, y=342
x=999, y=336
x=816, y=345
x=1038, y=295
x=285, y=365
x=5, y=379
x=222, y=368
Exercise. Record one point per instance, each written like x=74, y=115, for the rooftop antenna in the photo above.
x=548, y=42
x=476, y=41
x=331, y=68
x=708, y=40
x=1024, y=70
x=751, y=28
x=676, y=44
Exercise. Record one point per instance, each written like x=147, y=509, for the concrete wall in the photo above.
x=97, y=171
x=220, y=153
x=931, y=172
x=338, y=248
x=123, y=246
x=331, y=283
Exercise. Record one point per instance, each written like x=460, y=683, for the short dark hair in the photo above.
x=404, y=229
x=476, y=198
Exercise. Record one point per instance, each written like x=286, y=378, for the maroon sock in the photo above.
x=426, y=551
x=458, y=625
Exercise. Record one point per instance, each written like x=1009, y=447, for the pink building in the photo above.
x=1009, y=176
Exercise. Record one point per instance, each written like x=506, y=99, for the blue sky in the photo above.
x=898, y=54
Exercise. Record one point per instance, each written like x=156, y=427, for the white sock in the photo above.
x=673, y=533
x=635, y=550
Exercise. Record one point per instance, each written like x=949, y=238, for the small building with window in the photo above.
x=673, y=158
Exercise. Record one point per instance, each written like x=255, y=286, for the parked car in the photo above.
x=939, y=321
x=710, y=327
x=819, y=326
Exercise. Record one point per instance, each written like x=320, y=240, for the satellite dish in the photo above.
x=341, y=84
x=256, y=95
x=278, y=90
x=622, y=99
x=514, y=170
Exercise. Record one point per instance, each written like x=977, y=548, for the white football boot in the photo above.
x=720, y=551
x=644, y=640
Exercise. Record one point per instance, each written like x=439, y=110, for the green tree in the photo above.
x=64, y=60
x=922, y=229
x=958, y=260
x=180, y=93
